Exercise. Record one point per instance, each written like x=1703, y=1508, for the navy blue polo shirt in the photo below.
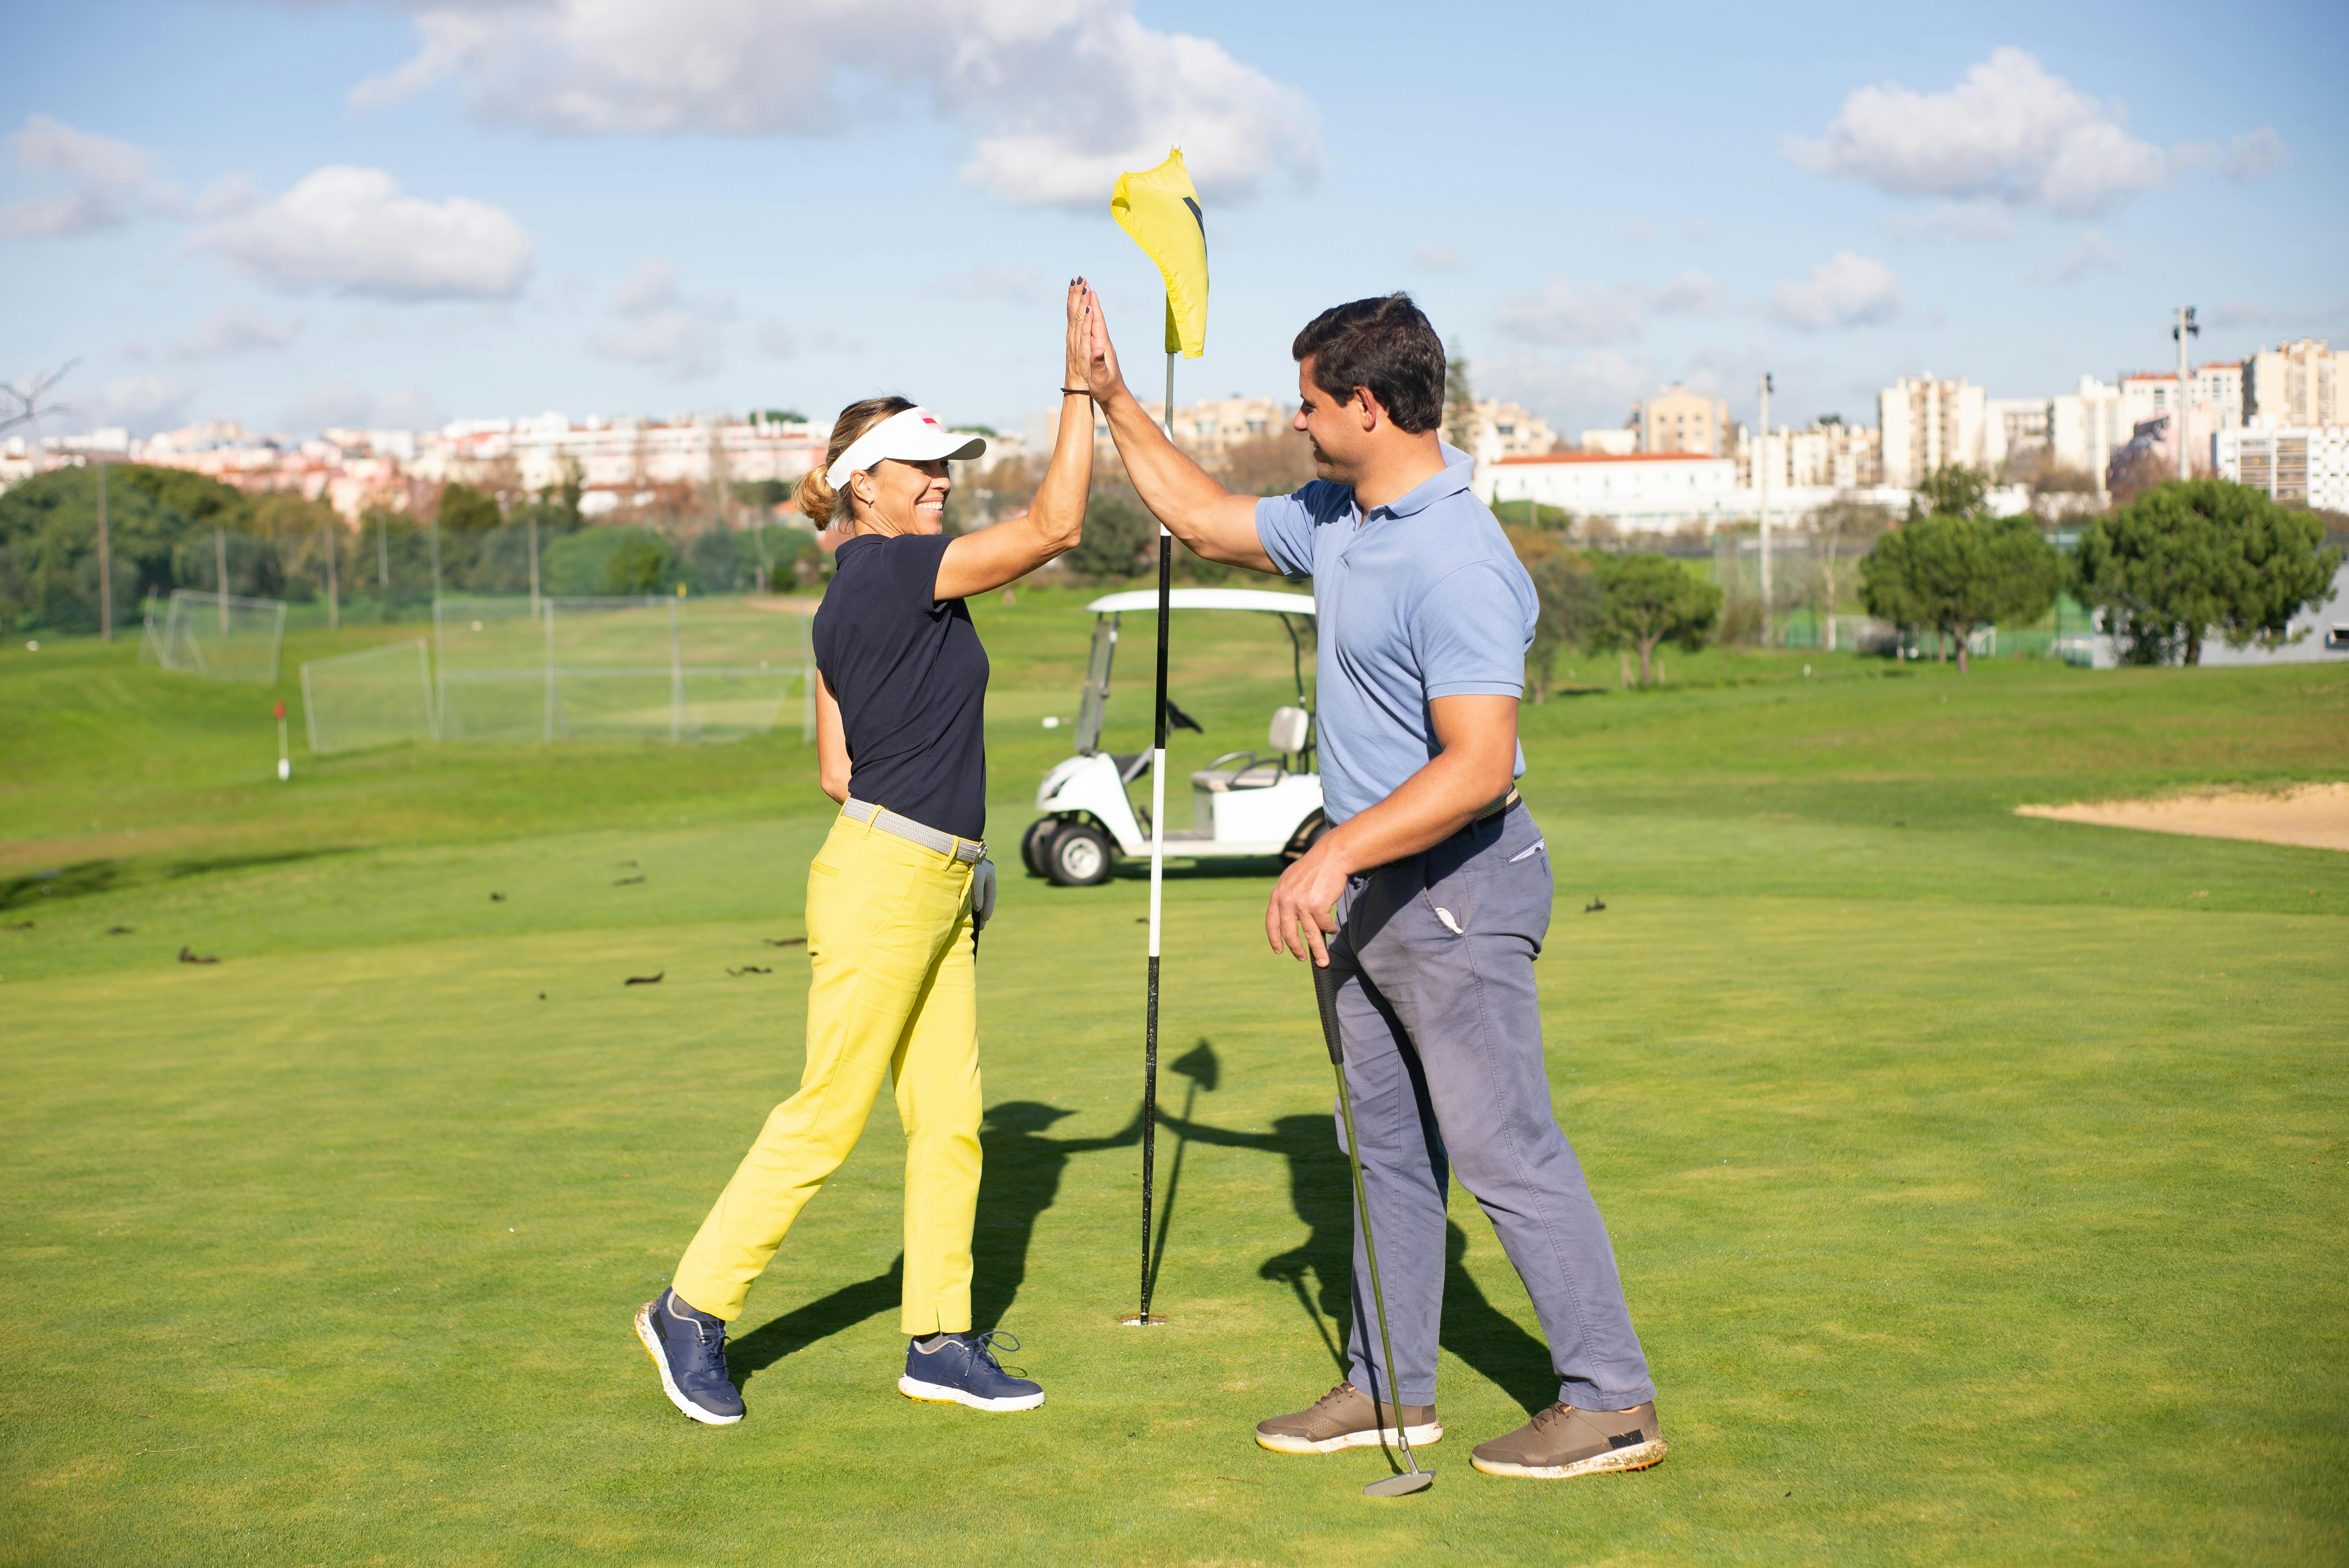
x=911, y=680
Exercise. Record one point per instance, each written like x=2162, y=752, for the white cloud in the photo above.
x=2254, y=156
x=1011, y=284
x=144, y=404
x=1952, y=221
x=1059, y=95
x=2091, y=252
x=777, y=341
x=658, y=323
x=1592, y=392
x=2010, y=132
x=234, y=329
x=349, y=229
x=1691, y=294
x=1641, y=232
x=94, y=182
x=1438, y=258
x=1846, y=290
x=1566, y=315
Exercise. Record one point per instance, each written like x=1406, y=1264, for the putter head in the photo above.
x=1403, y=1485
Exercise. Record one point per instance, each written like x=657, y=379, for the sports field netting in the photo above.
x=649, y=668
x=379, y=696
x=219, y=636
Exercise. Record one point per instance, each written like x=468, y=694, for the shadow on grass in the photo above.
x=85, y=877
x=1019, y=1179
x=1321, y=1189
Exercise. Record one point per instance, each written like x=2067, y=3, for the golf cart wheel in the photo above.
x=1034, y=842
x=1078, y=856
x=1307, y=837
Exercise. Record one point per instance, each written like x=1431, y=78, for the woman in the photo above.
x=890, y=906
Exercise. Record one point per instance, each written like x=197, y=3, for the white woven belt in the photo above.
x=967, y=851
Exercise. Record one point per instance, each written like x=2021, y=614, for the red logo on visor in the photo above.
x=927, y=421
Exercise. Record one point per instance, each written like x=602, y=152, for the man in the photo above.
x=1430, y=891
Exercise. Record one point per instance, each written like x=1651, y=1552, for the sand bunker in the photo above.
x=2315, y=815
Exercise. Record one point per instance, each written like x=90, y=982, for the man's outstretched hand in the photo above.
x=1302, y=912
x=1102, y=372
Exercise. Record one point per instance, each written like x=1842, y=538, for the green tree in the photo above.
x=1955, y=490
x=1955, y=573
x=465, y=509
x=1647, y=599
x=1119, y=533
x=1566, y=588
x=1459, y=402
x=2195, y=556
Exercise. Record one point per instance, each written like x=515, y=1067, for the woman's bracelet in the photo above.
x=1076, y=391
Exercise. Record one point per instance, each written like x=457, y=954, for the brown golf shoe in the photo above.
x=1342, y=1419
x=1564, y=1442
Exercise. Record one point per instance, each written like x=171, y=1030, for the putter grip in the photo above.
x=1325, y=994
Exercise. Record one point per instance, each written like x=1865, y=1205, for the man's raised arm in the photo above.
x=1215, y=523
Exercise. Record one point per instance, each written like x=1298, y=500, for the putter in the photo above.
x=1413, y=1479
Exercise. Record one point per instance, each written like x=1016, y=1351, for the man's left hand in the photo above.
x=1302, y=911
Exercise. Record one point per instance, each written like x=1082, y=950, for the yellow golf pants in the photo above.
x=894, y=994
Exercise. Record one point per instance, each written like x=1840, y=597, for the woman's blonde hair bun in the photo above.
x=818, y=502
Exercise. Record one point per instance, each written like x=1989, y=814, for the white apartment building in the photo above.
x=2302, y=385
x=2085, y=427
x=1505, y=431
x=2219, y=385
x=2305, y=463
x=615, y=457
x=1679, y=420
x=1642, y=490
x=1928, y=423
x=1616, y=443
x=2014, y=425
x=1825, y=456
x=1210, y=428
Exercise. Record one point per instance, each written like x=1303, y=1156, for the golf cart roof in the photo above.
x=1206, y=599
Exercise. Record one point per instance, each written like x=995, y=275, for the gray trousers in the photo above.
x=1443, y=1038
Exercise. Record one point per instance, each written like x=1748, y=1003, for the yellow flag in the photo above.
x=1161, y=211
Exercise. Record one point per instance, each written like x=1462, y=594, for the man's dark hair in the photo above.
x=1386, y=345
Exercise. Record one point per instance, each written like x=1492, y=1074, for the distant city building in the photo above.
x=2085, y=427
x=1641, y=490
x=2220, y=385
x=1505, y=431
x=1835, y=457
x=1616, y=443
x=1679, y=420
x=1930, y=423
x=1209, y=429
x=2015, y=426
x=2298, y=385
x=616, y=457
x=2307, y=465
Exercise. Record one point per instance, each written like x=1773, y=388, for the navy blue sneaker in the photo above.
x=689, y=1348
x=963, y=1370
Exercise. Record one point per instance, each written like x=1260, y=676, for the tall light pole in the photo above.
x=105, y=557
x=1762, y=481
x=2184, y=329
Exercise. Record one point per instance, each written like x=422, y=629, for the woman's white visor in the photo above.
x=915, y=436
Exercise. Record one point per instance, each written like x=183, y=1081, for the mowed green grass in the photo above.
x=1978, y=1181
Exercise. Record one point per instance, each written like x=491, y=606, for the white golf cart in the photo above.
x=1242, y=804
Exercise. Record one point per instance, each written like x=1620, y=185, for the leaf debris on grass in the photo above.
x=750, y=969
x=623, y=881
x=644, y=979
x=801, y=941
x=190, y=955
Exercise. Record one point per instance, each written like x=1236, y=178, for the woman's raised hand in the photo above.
x=1078, y=371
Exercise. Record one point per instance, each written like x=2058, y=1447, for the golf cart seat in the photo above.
x=1131, y=765
x=1285, y=736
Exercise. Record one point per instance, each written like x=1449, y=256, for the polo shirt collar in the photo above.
x=1459, y=474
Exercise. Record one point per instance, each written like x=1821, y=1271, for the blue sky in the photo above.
x=301, y=214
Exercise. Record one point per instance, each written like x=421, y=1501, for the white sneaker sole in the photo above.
x=1384, y=1437
x=940, y=1394
x=651, y=1337
x=1638, y=1456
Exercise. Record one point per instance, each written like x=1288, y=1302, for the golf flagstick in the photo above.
x=1142, y=1317
x=1159, y=209
x=1413, y=1479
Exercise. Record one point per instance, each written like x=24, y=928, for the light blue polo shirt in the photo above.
x=1418, y=599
